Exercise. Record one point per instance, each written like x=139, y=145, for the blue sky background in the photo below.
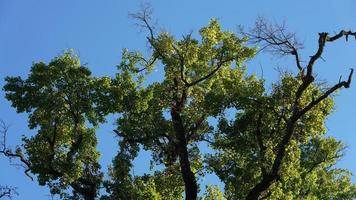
x=38, y=30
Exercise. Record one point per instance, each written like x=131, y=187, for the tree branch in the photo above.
x=345, y=84
x=144, y=16
x=274, y=37
x=6, y=151
x=6, y=191
x=220, y=63
x=260, y=142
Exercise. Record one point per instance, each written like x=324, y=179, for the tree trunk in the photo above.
x=191, y=188
x=268, y=179
x=87, y=192
x=89, y=196
x=262, y=186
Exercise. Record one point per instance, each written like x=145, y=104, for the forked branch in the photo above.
x=275, y=39
x=9, y=153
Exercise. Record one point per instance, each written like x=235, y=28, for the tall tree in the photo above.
x=64, y=110
x=276, y=148
x=170, y=117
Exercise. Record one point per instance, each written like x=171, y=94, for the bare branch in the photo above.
x=4, y=129
x=323, y=38
x=144, y=22
x=345, y=84
x=275, y=39
x=6, y=151
x=7, y=191
x=340, y=34
x=144, y=16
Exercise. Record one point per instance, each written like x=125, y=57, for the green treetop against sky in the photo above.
x=177, y=89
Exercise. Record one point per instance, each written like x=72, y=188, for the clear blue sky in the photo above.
x=38, y=30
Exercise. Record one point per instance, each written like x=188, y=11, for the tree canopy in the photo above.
x=273, y=148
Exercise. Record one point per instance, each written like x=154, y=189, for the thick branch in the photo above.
x=276, y=39
x=323, y=38
x=220, y=63
x=345, y=84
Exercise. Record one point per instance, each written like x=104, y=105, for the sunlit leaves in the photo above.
x=205, y=73
x=247, y=146
x=204, y=78
x=62, y=100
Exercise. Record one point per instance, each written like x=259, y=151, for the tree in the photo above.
x=276, y=148
x=273, y=149
x=61, y=103
x=170, y=117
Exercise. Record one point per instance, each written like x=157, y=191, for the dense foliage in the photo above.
x=274, y=147
x=246, y=148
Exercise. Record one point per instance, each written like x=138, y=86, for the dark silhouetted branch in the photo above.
x=7, y=192
x=278, y=41
x=6, y=151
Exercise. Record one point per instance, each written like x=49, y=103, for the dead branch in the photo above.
x=275, y=39
x=7, y=191
x=9, y=153
x=144, y=17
